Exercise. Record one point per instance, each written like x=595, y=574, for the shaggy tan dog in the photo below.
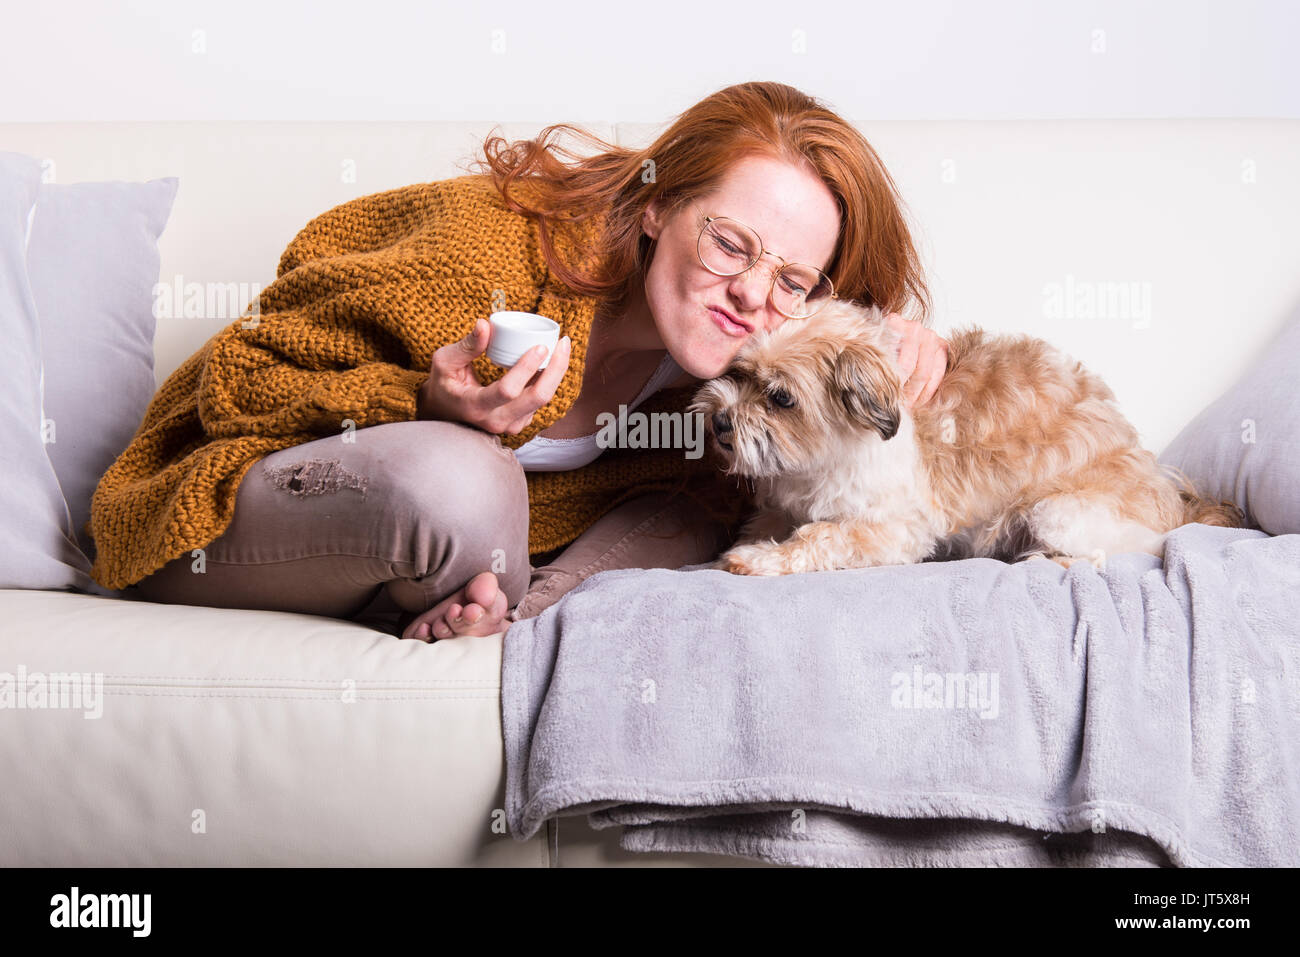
x=1021, y=453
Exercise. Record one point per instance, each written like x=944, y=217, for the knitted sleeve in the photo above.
x=334, y=365
x=297, y=372
x=344, y=337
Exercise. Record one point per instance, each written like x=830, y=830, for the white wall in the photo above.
x=1201, y=209
x=531, y=61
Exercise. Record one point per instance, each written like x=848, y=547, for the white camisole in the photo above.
x=544, y=454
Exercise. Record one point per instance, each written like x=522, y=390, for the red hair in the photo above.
x=875, y=261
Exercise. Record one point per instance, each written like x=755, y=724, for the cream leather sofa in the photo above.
x=233, y=737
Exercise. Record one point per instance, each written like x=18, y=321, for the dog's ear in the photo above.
x=870, y=394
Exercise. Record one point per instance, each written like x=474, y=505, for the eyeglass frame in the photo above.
x=709, y=220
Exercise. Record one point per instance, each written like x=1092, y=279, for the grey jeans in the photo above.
x=392, y=519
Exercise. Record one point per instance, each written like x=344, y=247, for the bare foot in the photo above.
x=480, y=608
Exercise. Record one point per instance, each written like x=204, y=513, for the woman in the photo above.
x=437, y=498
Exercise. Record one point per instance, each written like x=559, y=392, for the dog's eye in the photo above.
x=781, y=398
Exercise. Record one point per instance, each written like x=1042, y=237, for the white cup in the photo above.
x=514, y=333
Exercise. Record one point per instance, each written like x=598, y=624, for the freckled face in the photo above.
x=796, y=216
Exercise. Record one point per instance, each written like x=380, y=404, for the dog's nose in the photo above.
x=721, y=423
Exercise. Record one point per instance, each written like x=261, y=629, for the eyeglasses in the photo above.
x=727, y=247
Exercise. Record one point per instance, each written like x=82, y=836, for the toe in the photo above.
x=482, y=589
x=501, y=605
x=475, y=620
x=417, y=628
x=497, y=614
x=486, y=621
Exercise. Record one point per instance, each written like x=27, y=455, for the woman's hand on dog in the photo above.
x=922, y=359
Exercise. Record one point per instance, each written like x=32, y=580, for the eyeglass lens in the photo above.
x=728, y=248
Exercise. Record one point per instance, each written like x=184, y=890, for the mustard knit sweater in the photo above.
x=363, y=296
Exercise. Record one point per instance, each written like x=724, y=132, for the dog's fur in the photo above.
x=1021, y=453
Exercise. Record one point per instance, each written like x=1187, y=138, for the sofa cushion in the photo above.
x=93, y=264
x=1245, y=446
x=37, y=548
x=216, y=737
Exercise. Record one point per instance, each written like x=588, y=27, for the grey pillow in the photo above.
x=93, y=263
x=37, y=549
x=1245, y=446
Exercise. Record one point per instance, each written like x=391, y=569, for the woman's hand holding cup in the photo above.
x=452, y=392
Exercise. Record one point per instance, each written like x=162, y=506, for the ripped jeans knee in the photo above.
x=315, y=477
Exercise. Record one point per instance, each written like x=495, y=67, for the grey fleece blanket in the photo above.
x=959, y=713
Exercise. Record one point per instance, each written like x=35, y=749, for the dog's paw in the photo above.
x=1097, y=560
x=751, y=560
